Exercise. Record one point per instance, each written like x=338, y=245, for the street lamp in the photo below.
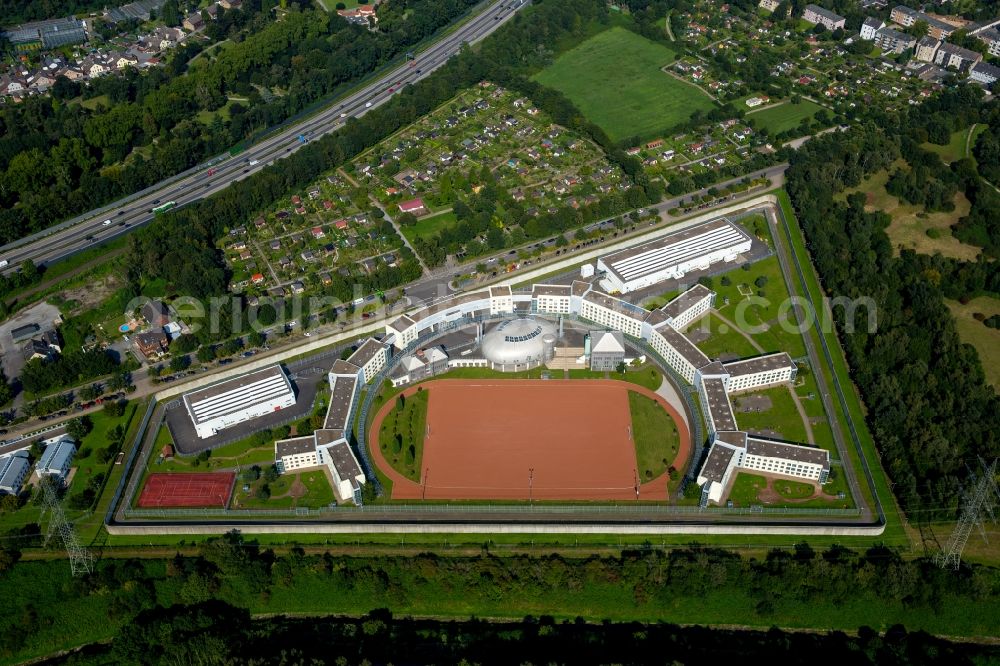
x=531, y=478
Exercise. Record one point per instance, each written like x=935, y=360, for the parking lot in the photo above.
x=306, y=380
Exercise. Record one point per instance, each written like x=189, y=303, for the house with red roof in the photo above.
x=415, y=206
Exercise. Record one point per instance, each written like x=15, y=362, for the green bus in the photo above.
x=163, y=208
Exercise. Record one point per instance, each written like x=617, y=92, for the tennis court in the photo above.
x=181, y=489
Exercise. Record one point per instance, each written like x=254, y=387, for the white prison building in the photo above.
x=328, y=447
x=662, y=328
x=232, y=401
x=672, y=256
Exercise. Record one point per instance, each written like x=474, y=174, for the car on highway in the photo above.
x=368, y=104
x=106, y=223
x=392, y=90
x=254, y=162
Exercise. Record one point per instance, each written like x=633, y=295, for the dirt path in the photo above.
x=666, y=70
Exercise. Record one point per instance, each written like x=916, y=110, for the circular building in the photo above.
x=519, y=344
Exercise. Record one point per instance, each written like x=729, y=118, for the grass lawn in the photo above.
x=723, y=342
x=94, y=102
x=614, y=78
x=954, y=150
x=745, y=489
x=782, y=417
x=291, y=490
x=793, y=490
x=428, y=227
x=974, y=332
x=911, y=227
x=401, y=436
x=784, y=117
x=764, y=314
x=241, y=453
x=654, y=434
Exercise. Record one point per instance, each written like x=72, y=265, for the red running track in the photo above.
x=181, y=489
x=511, y=439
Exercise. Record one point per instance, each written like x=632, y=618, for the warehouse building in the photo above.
x=239, y=399
x=672, y=256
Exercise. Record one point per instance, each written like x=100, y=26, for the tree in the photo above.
x=115, y=408
x=206, y=354
x=255, y=339
x=184, y=344
x=170, y=13
x=179, y=363
x=761, y=282
x=79, y=427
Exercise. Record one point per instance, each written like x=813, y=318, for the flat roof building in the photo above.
x=672, y=256
x=370, y=358
x=13, y=472
x=56, y=459
x=819, y=16
x=232, y=401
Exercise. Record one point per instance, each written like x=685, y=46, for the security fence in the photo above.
x=540, y=511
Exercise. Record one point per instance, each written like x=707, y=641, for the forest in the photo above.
x=215, y=632
x=158, y=607
x=59, y=159
x=929, y=408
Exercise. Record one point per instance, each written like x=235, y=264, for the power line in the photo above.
x=979, y=499
x=80, y=559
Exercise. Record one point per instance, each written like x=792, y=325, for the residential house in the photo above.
x=984, y=73
x=46, y=347
x=414, y=206
x=955, y=57
x=991, y=37
x=870, y=26
x=926, y=49
x=156, y=313
x=768, y=5
x=818, y=16
x=152, y=344
x=193, y=21
x=893, y=41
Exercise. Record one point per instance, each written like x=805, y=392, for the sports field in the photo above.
x=530, y=439
x=203, y=489
x=614, y=78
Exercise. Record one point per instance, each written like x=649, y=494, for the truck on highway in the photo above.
x=163, y=208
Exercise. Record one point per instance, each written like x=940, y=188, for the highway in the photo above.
x=130, y=213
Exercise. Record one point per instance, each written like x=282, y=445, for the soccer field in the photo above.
x=614, y=78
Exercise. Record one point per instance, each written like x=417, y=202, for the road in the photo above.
x=128, y=214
